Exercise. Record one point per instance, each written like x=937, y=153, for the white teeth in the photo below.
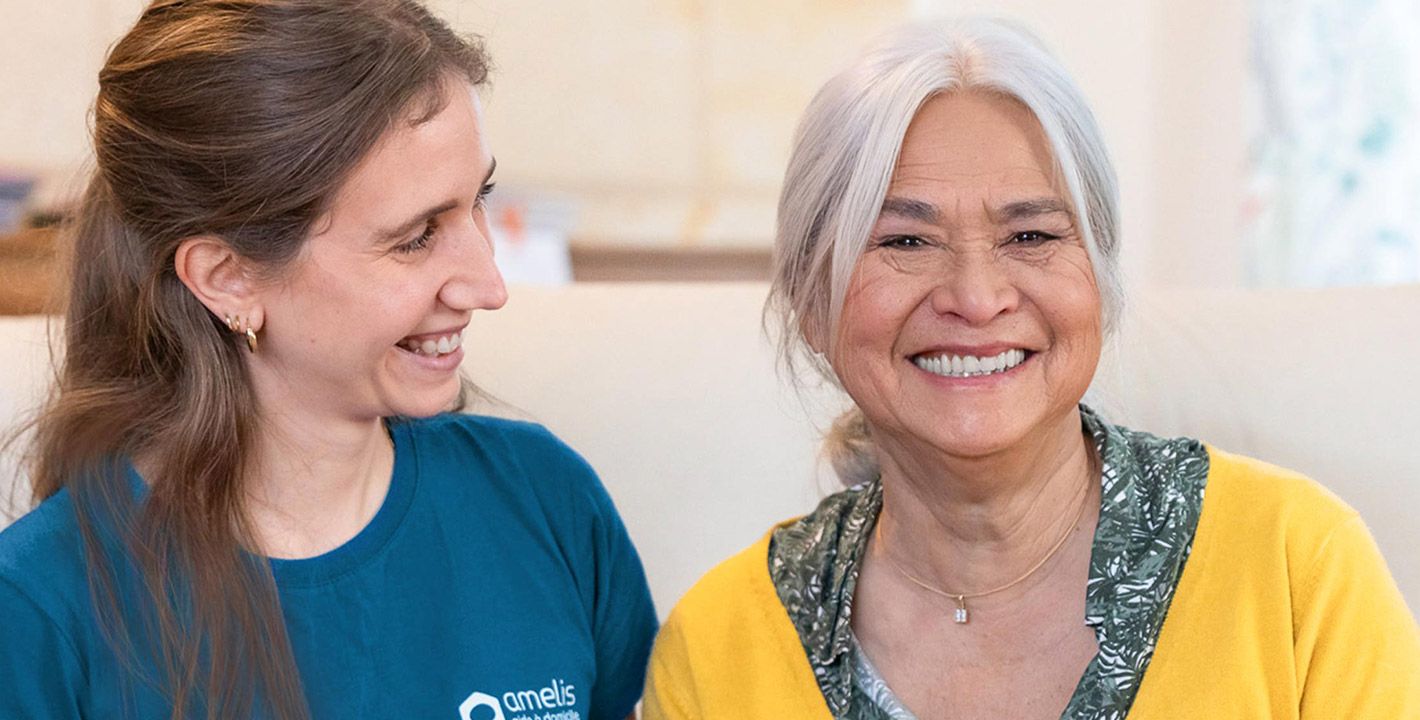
x=443, y=346
x=970, y=365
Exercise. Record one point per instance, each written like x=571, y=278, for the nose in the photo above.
x=976, y=289
x=474, y=282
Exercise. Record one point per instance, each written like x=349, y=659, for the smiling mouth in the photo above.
x=432, y=346
x=963, y=366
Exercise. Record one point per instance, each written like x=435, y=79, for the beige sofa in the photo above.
x=671, y=392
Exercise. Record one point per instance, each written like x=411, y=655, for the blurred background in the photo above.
x=1258, y=142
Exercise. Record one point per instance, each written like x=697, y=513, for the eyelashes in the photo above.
x=1028, y=238
x=484, y=192
x=431, y=228
x=420, y=242
x=1033, y=237
x=902, y=241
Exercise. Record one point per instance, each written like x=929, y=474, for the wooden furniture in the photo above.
x=611, y=263
x=30, y=270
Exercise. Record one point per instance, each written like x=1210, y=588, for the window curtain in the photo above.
x=1334, y=193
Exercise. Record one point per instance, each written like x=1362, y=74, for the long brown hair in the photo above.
x=238, y=119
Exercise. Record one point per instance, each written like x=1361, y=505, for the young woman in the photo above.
x=253, y=502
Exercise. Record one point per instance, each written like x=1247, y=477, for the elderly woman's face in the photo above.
x=972, y=321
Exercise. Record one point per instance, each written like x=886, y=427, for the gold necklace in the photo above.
x=961, y=616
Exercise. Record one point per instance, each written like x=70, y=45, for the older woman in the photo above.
x=947, y=252
x=255, y=503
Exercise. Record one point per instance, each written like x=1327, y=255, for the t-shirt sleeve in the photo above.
x=624, y=619
x=39, y=666
x=610, y=580
x=1357, y=645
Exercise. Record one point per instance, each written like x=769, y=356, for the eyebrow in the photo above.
x=1034, y=207
x=1021, y=209
x=910, y=209
x=408, y=226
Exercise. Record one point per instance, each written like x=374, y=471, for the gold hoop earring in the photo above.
x=251, y=337
x=231, y=322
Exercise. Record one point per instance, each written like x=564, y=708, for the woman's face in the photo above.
x=972, y=320
x=369, y=321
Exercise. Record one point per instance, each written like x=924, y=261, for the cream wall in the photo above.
x=669, y=121
x=50, y=53
x=670, y=118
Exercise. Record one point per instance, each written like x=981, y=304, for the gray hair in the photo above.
x=846, y=149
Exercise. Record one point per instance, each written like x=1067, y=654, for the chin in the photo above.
x=975, y=436
x=427, y=404
x=974, y=447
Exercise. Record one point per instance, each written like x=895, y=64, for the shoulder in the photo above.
x=519, y=471
x=42, y=569
x=728, y=588
x=1270, y=529
x=42, y=542
x=741, y=592
x=1245, y=500
x=730, y=609
x=807, y=545
x=49, y=641
x=465, y=432
x=1255, y=498
x=500, y=448
x=729, y=649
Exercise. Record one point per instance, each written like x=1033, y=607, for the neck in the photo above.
x=312, y=484
x=972, y=524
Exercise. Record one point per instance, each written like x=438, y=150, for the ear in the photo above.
x=219, y=278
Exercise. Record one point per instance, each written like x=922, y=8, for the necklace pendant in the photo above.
x=960, y=616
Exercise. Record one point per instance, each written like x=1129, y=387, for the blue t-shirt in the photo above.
x=496, y=581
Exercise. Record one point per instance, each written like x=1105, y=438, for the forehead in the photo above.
x=422, y=143
x=974, y=142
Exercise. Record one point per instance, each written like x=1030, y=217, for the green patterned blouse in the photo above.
x=1149, y=508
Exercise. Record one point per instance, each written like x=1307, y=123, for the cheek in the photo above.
x=305, y=313
x=1084, y=308
x=1069, y=299
x=872, y=312
x=334, y=315
x=1075, y=309
x=876, y=311
x=1067, y=289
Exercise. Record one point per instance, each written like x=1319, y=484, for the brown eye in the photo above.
x=902, y=241
x=1033, y=237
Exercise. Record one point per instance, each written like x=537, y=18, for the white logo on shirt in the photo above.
x=477, y=700
x=553, y=702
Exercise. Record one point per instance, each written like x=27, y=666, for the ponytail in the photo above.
x=849, y=449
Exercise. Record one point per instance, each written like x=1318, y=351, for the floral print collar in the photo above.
x=1152, y=495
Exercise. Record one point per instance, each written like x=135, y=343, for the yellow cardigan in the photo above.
x=1285, y=609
